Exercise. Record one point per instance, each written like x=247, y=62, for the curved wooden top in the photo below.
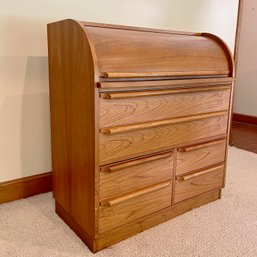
x=130, y=52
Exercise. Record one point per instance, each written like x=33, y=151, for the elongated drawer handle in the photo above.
x=194, y=147
x=199, y=173
x=161, y=92
x=162, y=74
x=165, y=84
x=134, y=163
x=118, y=129
x=124, y=198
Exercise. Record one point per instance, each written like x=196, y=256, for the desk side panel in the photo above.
x=72, y=96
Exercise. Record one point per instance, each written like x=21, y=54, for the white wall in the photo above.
x=215, y=16
x=24, y=105
x=246, y=86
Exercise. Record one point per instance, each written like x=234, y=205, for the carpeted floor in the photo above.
x=227, y=227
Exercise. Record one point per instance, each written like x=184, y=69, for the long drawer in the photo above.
x=194, y=157
x=121, y=210
x=120, y=143
x=129, y=176
x=137, y=107
x=196, y=183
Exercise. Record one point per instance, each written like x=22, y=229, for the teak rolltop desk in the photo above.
x=140, y=121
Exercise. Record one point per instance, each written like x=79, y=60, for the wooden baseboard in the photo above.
x=25, y=187
x=246, y=119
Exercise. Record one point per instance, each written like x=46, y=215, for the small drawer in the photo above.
x=196, y=183
x=130, y=176
x=125, y=142
x=121, y=210
x=123, y=108
x=195, y=157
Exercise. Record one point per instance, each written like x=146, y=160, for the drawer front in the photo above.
x=128, y=108
x=124, y=209
x=196, y=157
x=196, y=183
x=130, y=176
x=122, y=143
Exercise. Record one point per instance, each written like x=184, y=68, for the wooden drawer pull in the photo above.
x=118, y=129
x=194, y=147
x=164, y=84
x=161, y=92
x=133, y=163
x=162, y=74
x=199, y=173
x=124, y=198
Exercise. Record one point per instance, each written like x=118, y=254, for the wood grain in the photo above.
x=117, y=139
x=246, y=119
x=163, y=84
x=198, y=183
x=59, y=120
x=151, y=108
x=138, y=142
x=132, y=195
x=198, y=173
x=152, y=124
x=134, y=208
x=134, y=94
x=124, y=165
x=198, y=146
x=224, y=46
x=123, y=27
x=200, y=156
x=229, y=129
x=25, y=187
x=126, y=51
x=244, y=136
x=77, y=228
x=163, y=74
x=72, y=110
x=131, y=228
x=133, y=175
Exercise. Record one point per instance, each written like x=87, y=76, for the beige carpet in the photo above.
x=227, y=227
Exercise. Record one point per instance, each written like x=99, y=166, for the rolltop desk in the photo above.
x=139, y=124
